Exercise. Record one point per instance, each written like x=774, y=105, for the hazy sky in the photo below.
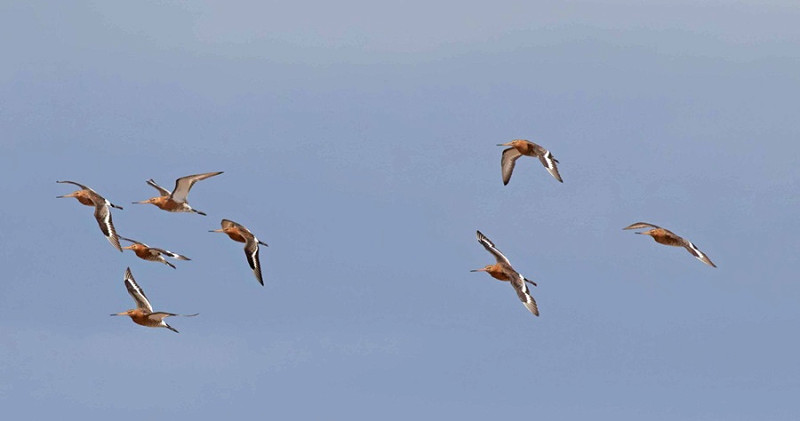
x=358, y=140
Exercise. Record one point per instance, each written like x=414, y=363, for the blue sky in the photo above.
x=358, y=140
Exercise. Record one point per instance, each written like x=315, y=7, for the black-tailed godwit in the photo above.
x=143, y=314
x=175, y=201
x=102, y=213
x=503, y=271
x=521, y=147
x=667, y=237
x=238, y=232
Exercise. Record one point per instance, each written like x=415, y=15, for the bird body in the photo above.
x=503, y=271
x=176, y=200
x=102, y=213
x=143, y=314
x=520, y=147
x=239, y=233
x=667, y=237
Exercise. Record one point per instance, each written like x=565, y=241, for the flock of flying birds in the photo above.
x=503, y=271
x=176, y=201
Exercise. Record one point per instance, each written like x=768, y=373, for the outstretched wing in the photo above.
x=162, y=191
x=550, y=162
x=184, y=184
x=160, y=315
x=77, y=184
x=132, y=241
x=136, y=292
x=518, y=282
x=170, y=254
x=640, y=225
x=507, y=162
x=698, y=254
x=251, y=251
x=227, y=223
x=488, y=245
x=103, y=216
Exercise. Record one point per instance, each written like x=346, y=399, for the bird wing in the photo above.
x=507, y=162
x=184, y=184
x=136, y=292
x=160, y=315
x=161, y=190
x=170, y=254
x=640, y=225
x=518, y=282
x=488, y=245
x=251, y=251
x=549, y=162
x=132, y=241
x=698, y=254
x=77, y=184
x=103, y=215
x=227, y=223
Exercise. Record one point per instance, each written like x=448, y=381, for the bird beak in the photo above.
x=130, y=247
x=479, y=270
x=119, y=314
x=143, y=202
x=504, y=144
x=219, y=230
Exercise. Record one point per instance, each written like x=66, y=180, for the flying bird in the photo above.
x=175, y=201
x=667, y=237
x=143, y=314
x=238, y=232
x=521, y=147
x=503, y=271
x=143, y=251
x=102, y=213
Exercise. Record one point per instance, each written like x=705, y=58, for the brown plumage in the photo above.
x=503, y=271
x=239, y=233
x=176, y=201
x=102, y=213
x=143, y=314
x=521, y=147
x=667, y=237
x=153, y=254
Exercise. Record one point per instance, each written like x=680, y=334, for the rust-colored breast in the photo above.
x=140, y=318
x=84, y=199
x=235, y=235
x=167, y=204
x=665, y=237
x=498, y=273
x=524, y=147
x=140, y=251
